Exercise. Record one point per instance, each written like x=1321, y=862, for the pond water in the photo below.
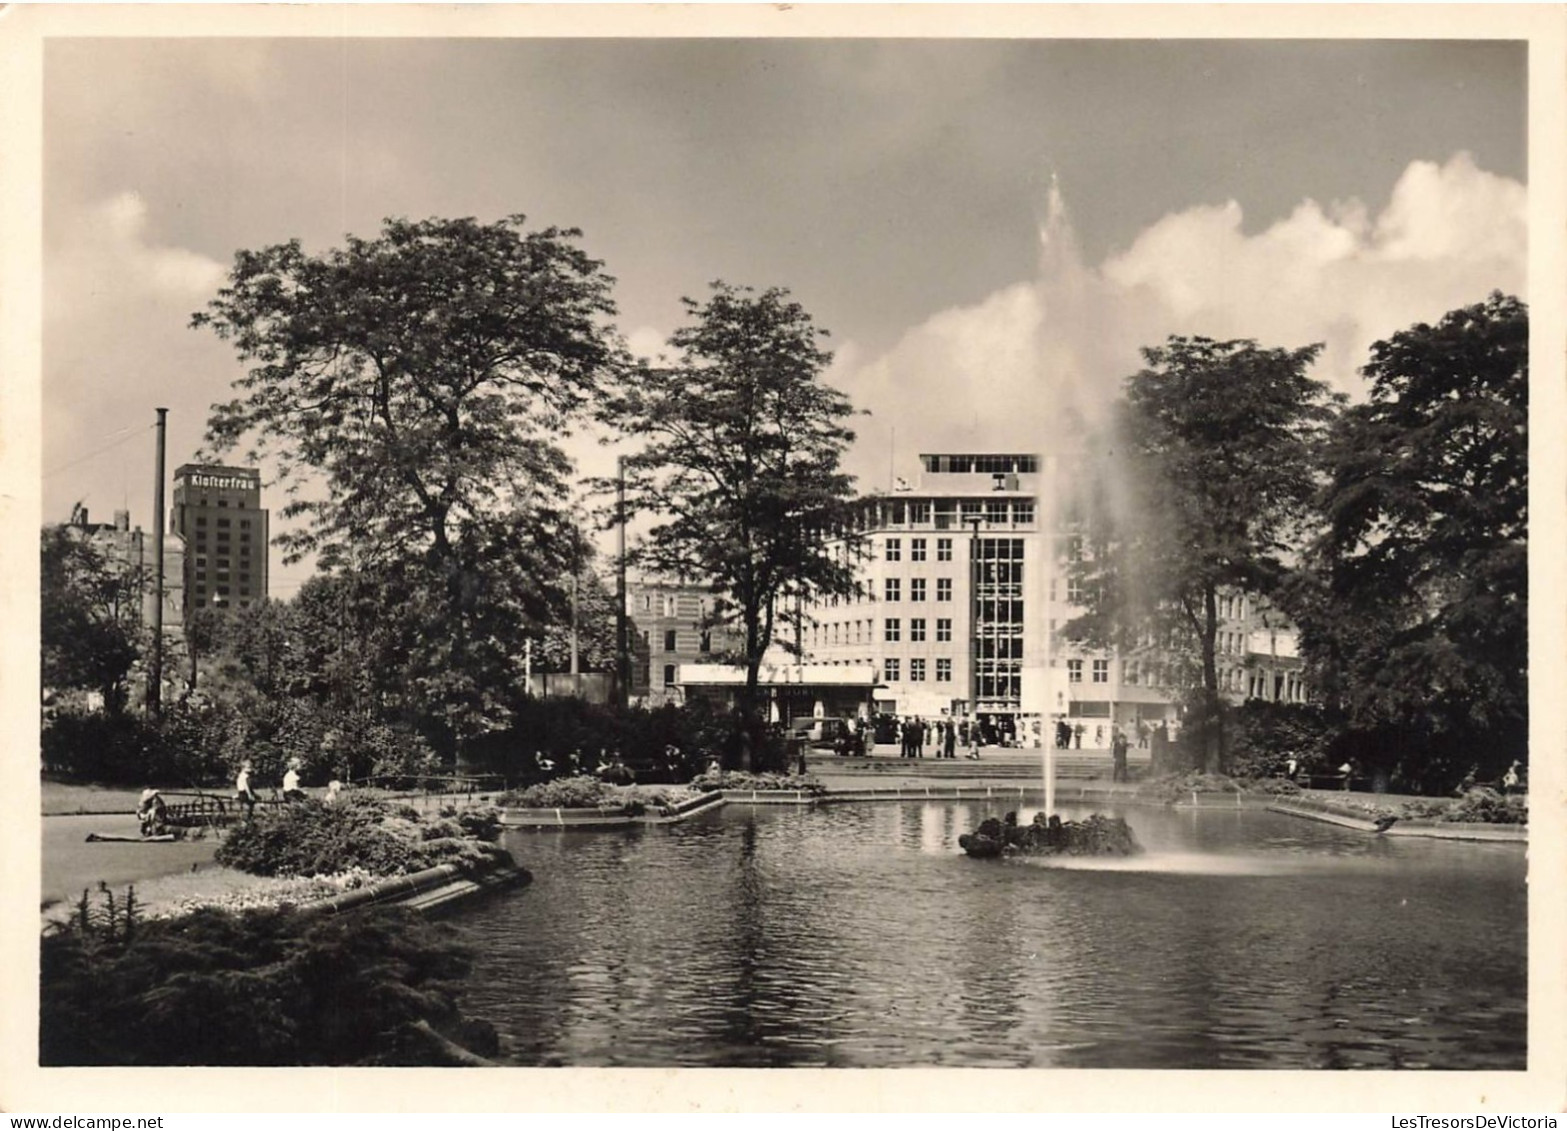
x=859, y=935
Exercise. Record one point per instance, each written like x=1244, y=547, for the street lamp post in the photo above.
x=974, y=607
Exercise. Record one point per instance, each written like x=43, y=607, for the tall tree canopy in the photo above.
x=90, y=610
x=1414, y=610
x=1206, y=480
x=424, y=377
x=741, y=463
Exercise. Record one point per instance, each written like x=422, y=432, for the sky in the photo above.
x=990, y=230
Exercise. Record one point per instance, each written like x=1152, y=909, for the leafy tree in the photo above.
x=1414, y=608
x=424, y=378
x=741, y=465
x=90, y=609
x=596, y=629
x=1203, y=491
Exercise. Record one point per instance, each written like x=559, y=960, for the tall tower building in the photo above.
x=217, y=511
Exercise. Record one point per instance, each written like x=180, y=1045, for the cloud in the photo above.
x=116, y=345
x=1045, y=356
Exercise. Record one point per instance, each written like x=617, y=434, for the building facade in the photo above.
x=965, y=590
x=672, y=623
x=217, y=512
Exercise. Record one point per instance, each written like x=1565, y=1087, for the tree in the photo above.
x=424, y=377
x=1414, y=605
x=90, y=624
x=1207, y=480
x=741, y=465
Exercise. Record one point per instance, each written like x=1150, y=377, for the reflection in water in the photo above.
x=860, y=935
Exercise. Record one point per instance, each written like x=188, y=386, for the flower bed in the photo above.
x=591, y=793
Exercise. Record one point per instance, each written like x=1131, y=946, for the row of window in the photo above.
x=892, y=589
x=244, y=523
x=892, y=629
x=1074, y=671
x=983, y=464
x=892, y=669
x=949, y=514
x=704, y=642
x=892, y=549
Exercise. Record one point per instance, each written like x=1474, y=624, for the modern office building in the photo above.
x=966, y=589
x=218, y=513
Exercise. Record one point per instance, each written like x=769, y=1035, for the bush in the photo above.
x=562, y=793
x=1489, y=807
x=709, y=781
x=1179, y=787
x=260, y=988
x=312, y=838
x=1263, y=737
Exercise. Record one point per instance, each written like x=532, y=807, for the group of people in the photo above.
x=945, y=734
x=1069, y=736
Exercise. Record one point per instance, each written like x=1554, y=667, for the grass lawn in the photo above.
x=70, y=797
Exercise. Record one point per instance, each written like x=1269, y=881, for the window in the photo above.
x=669, y=675
x=244, y=524
x=916, y=549
x=894, y=549
x=1074, y=591
x=943, y=630
x=1101, y=671
x=943, y=671
x=917, y=630
x=201, y=520
x=1074, y=548
x=707, y=640
x=223, y=522
x=891, y=631
x=1022, y=512
x=889, y=671
x=943, y=588
x=971, y=509
x=669, y=606
x=943, y=549
x=1129, y=672
x=919, y=512
x=669, y=640
x=1074, y=671
x=917, y=589
x=996, y=512
x=916, y=670
x=893, y=591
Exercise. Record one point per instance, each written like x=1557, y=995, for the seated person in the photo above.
x=151, y=813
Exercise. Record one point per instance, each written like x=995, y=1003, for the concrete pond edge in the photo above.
x=541, y=819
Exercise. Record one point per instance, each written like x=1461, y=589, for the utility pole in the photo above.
x=155, y=668
x=576, y=670
x=622, y=660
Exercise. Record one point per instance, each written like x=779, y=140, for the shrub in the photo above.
x=311, y=838
x=1179, y=787
x=562, y=793
x=1489, y=807
x=709, y=781
x=259, y=988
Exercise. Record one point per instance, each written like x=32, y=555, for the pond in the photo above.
x=858, y=935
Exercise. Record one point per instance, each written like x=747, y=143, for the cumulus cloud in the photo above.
x=115, y=345
x=1046, y=356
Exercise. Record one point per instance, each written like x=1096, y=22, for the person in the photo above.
x=334, y=790
x=291, y=790
x=1077, y=735
x=1291, y=767
x=242, y=791
x=1510, y=778
x=1142, y=735
x=951, y=739
x=1118, y=746
x=1099, y=735
x=1348, y=770
x=151, y=812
